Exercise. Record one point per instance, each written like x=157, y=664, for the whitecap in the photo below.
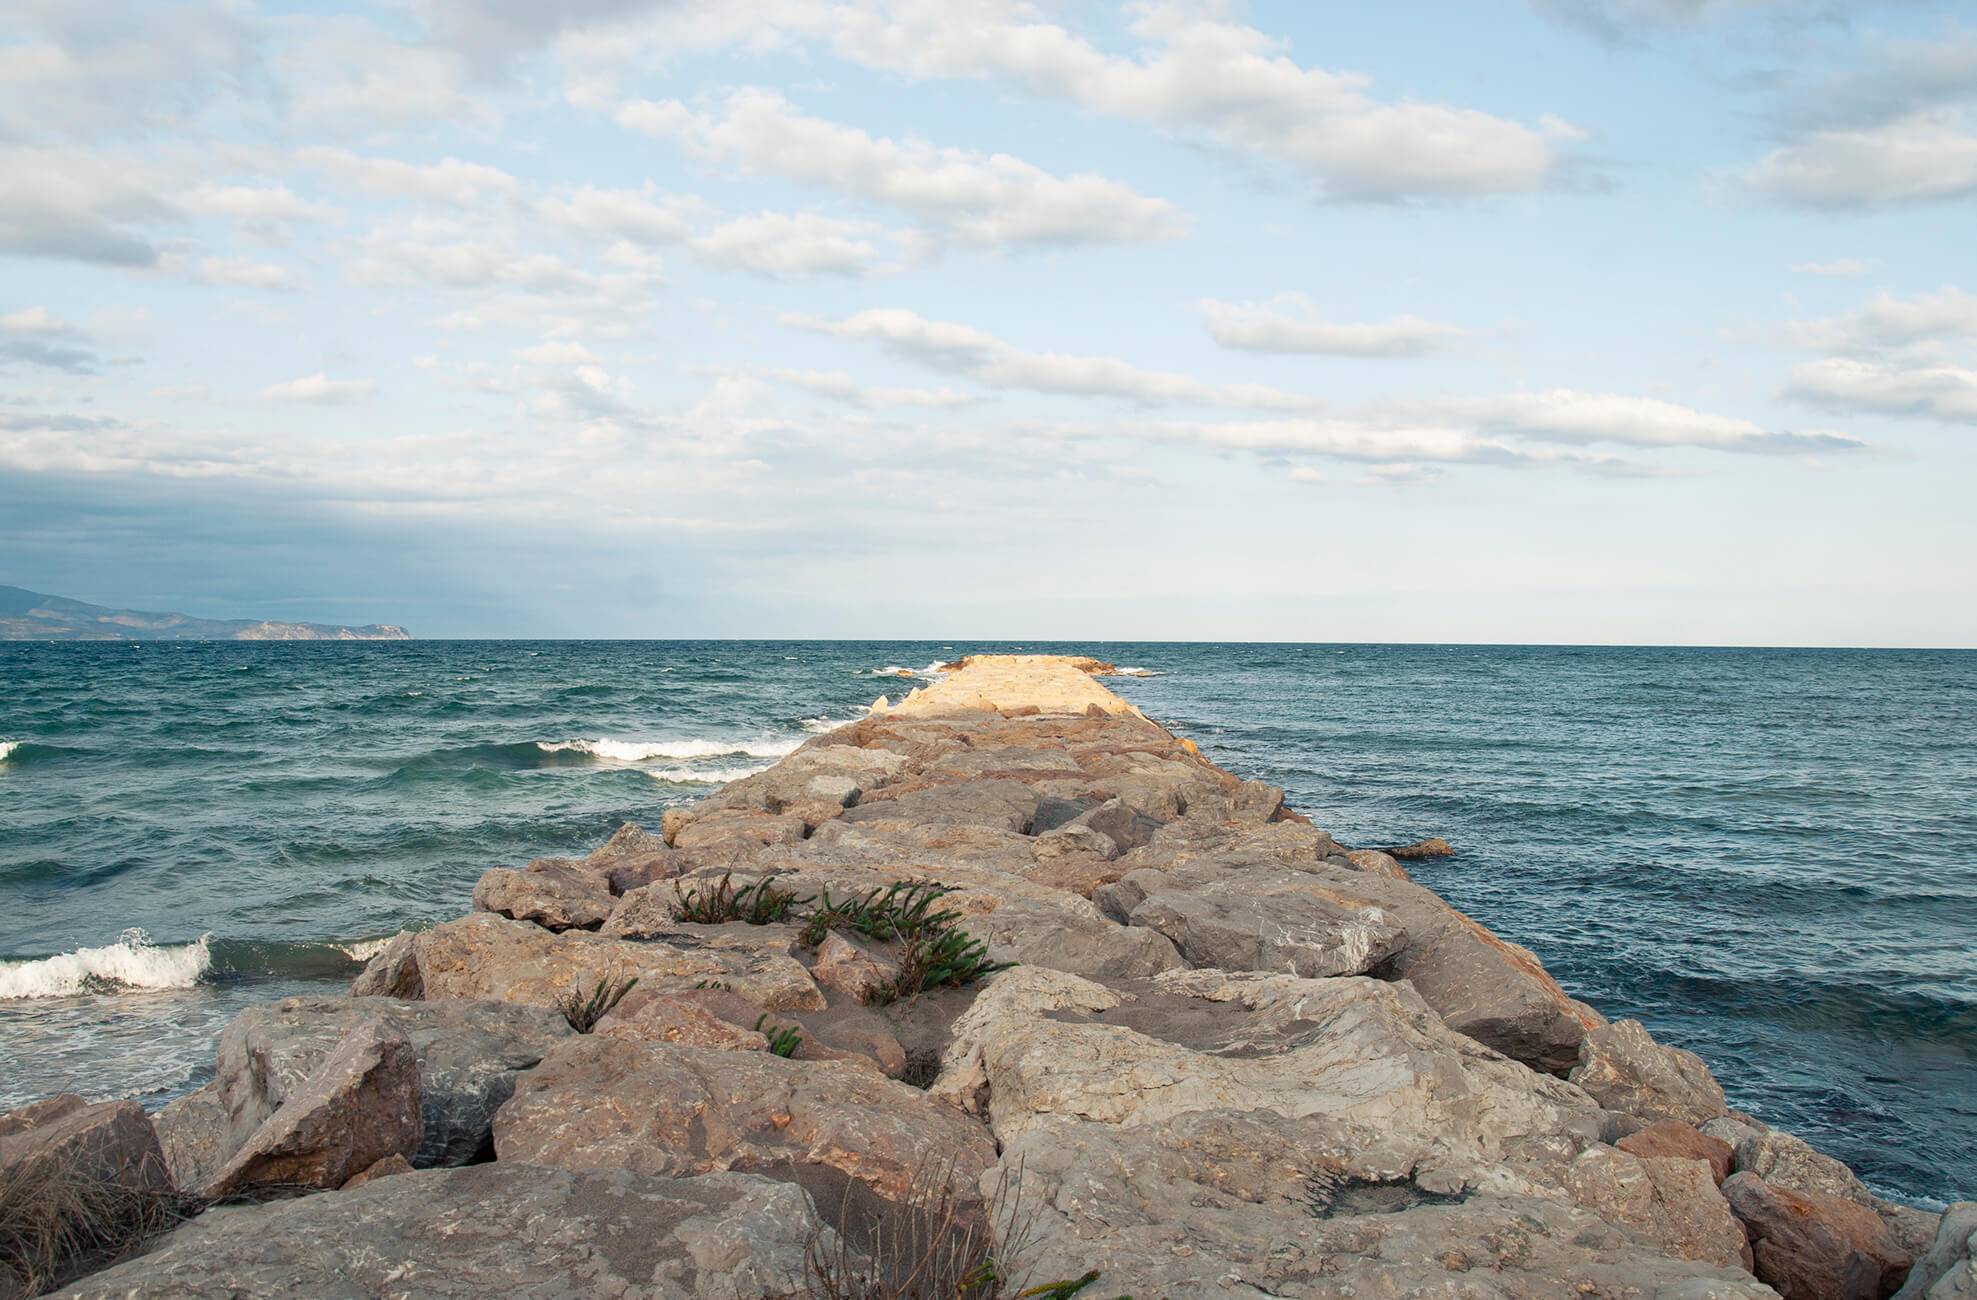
x=133, y=962
x=9, y=746
x=362, y=950
x=1138, y=672
x=644, y=751
x=690, y=775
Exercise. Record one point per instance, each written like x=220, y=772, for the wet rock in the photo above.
x=555, y=893
x=468, y=1055
x=1811, y=1246
x=1672, y=1139
x=360, y=1106
x=1946, y=1271
x=1244, y=920
x=491, y=1230
x=1627, y=1070
x=605, y=1103
x=1433, y=847
x=489, y=957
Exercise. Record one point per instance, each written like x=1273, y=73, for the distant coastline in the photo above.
x=34, y=616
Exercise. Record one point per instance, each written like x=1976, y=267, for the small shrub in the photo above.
x=56, y=1223
x=899, y=910
x=761, y=903
x=783, y=1039
x=936, y=958
x=583, y=1013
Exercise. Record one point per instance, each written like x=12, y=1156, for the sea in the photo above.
x=1767, y=856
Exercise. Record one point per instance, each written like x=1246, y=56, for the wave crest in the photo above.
x=644, y=751
x=9, y=746
x=133, y=962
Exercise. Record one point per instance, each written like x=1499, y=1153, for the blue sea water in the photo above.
x=1768, y=856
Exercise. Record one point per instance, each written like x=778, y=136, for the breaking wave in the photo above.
x=9, y=746
x=644, y=751
x=132, y=962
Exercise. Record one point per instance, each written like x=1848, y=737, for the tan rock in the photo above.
x=854, y=969
x=1375, y=863
x=1672, y=1139
x=360, y=1107
x=1672, y=1202
x=1627, y=1070
x=1811, y=1246
x=555, y=893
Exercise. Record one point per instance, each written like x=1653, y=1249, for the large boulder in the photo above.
x=101, y=1142
x=360, y=1106
x=490, y=957
x=1672, y=1202
x=78, y=1183
x=1354, y=1049
x=998, y=804
x=469, y=1053
x=491, y=1230
x=840, y=1130
x=555, y=893
x=196, y=1134
x=1221, y=1205
x=1622, y=1065
x=1948, y=1270
x=1673, y=1140
x=1811, y=1246
x=1245, y=918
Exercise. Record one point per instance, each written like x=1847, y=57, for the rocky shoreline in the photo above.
x=1003, y=989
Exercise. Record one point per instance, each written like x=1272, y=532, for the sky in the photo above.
x=1533, y=321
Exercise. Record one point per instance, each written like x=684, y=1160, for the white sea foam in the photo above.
x=935, y=669
x=818, y=726
x=1138, y=672
x=362, y=950
x=693, y=775
x=9, y=746
x=644, y=751
x=133, y=962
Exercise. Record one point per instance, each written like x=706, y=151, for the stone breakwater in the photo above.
x=1002, y=972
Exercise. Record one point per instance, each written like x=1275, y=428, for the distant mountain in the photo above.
x=31, y=616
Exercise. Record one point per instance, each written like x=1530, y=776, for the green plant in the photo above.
x=935, y=958
x=903, y=908
x=783, y=1039
x=761, y=903
x=582, y=1012
x=56, y=1223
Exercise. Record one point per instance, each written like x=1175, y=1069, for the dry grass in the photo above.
x=57, y=1223
x=932, y=1245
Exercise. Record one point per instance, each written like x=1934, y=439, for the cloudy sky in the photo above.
x=1487, y=320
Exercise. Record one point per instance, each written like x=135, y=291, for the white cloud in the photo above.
x=320, y=389
x=643, y=216
x=255, y=203
x=243, y=272
x=558, y=352
x=346, y=75
x=1568, y=416
x=35, y=336
x=78, y=205
x=1925, y=156
x=980, y=356
x=449, y=181
x=1942, y=392
x=1844, y=266
x=841, y=387
x=1291, y=322
x=789, y=244
x=1890, y=322
x=961, y=195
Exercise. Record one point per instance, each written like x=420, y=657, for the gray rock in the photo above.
x=1627, y=1070
x=360, y=1106
x=196, y=1136
x=468, y=1056
x=393, y=972
x=1948, y=1270
x=1125, y=826
x=105, y=1141
x=1287, y=922
x=997, y=804
x=1785, y=1161
x=629, y=843
x=491, y=1230
x=1069, y=934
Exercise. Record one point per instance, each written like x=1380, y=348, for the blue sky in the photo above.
x=1560, y=320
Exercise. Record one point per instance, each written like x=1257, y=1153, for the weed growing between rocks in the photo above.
x=932, y=959
x=930, y=1245
x=56, y=1223
x=761, y=903
x=783, y=1039
x=584, y=1013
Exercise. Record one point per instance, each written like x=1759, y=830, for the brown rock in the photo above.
x=1811, y=1246
x=671, y=823
x=195, y=1134
x=360, y=1107
x=385, y=1168
x=109, y=1141
x=1375, y=863
x=393, y=972
x=648, y=1017
x=853, y=968
x=555, y=893
x=738, y=828
x=1671, y=1138
x=1433, y=847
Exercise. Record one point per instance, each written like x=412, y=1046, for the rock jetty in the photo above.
x=1001, y=990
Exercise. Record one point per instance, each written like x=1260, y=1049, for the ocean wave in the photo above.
x=644, y=751
x=9, y=746
x=133, y=962
x=1138, y=672
x=704, y=775
x=932, y=670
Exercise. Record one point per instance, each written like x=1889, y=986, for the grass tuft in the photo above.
x=582, y=1012
x=761, y=903
x=783, y=1039
x=57, y=1223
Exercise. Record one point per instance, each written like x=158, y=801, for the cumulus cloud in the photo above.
x=1890, y=322
x=449, y=181
x=961, y=195
x=1922, y=157
x=1844, y=266
x=1291, y=322
x=789, y=244
x=320, y=389
x=643, y=216
x=1941, y=392
x=252, y=203
x=841, y=387
x=79, y=206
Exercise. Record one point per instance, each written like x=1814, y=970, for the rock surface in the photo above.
x=490, y=1230
x=1628, y=1071
x=1811, y=1246
x=1948, y=1270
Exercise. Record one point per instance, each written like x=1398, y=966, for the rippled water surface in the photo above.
x=1769, y=856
